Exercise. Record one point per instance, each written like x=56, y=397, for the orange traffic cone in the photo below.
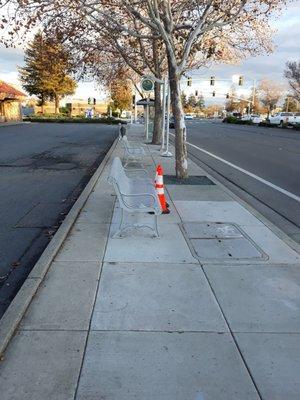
x=159, y=185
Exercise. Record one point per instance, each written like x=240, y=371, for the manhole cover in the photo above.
x=191, y=180
x=217, y=241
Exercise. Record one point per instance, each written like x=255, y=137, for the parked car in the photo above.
x=296, y=120
x=256, y=119
x=188, y=116
x=281, y=118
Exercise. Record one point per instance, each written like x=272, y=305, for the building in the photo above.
x=79, y=108
x=10, y=103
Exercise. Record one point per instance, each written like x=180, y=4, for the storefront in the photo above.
x=10, y=103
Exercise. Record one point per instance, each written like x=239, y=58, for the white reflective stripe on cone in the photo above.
x=160, y=191
x=160, y=180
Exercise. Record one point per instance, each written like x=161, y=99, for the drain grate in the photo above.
x=214, y=242
x=191, y=180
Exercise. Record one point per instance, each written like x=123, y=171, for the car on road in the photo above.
x=296, y=120
x=281, y=119
x=256, y=119
x=188, y=116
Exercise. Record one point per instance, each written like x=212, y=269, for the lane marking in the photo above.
x=258, y=178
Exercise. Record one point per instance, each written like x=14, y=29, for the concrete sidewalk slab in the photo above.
x=97, y=211
x=86, y=242
x=42, y=365
x=65, y=299
x=215, y=211
x=156, y=297
x=170, y=247
x=260, y=298
x=150, y=365
x=273, y=360
x=278, y=251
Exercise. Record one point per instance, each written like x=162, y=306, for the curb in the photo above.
x=18, y=307
x=6, y=124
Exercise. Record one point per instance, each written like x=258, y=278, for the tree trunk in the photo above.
x=157, y=128
x=181, y=166
x=56, y=98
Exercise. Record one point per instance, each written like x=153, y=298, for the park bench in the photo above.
x=136, y=195
x=133, y=152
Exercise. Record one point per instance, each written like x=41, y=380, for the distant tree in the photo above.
x=255, y=103
x=121, y=94
x=184, y=100
x=46, y=71
x=292, y=73
x=290, y=104
x=192, y=101
x=200, y=103
x=269, y=93
x=213, y=110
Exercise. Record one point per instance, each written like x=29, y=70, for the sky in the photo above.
x=287, y=47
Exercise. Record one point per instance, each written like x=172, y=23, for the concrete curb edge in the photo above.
x=18, y=307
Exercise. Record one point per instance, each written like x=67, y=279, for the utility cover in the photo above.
x=218, y=241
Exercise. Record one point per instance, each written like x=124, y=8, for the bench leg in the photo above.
x=125, y=226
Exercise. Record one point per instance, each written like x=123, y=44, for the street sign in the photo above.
x=147, y=84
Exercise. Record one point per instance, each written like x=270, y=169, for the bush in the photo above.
x=233, y=120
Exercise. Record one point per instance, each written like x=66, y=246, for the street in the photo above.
x=43, y=169
x=265, y=154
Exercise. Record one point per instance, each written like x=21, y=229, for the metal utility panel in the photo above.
x=214, y=242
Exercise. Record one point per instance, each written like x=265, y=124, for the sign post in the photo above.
x=147, y=85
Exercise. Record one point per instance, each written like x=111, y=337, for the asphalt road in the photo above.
x=266, y=170
x=43, y=170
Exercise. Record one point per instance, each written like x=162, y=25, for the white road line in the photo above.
x=258, y=178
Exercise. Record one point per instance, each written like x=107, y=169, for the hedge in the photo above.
x=66, y=120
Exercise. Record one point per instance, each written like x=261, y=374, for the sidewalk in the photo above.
x=209, y=311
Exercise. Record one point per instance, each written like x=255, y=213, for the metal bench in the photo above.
x=135, y=194
x=133, y=152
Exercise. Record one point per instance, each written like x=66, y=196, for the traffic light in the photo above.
x=227, y=96
x=189, y=81
x=89, y=100
x=214, y=94
x=212, y=80
x=196, y=93
x=133, y=100
x=241, y=80
x=94, y=101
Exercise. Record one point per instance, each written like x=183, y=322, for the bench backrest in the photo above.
x=118, y=178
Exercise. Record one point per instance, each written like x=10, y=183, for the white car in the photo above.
x=256, y=119
x=296, y=120
x=281, y=118
x=189, y=116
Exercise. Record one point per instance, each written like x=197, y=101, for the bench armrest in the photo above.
x=152, y=196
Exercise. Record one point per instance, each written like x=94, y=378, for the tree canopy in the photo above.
x=292, y=73
x=46, y=70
